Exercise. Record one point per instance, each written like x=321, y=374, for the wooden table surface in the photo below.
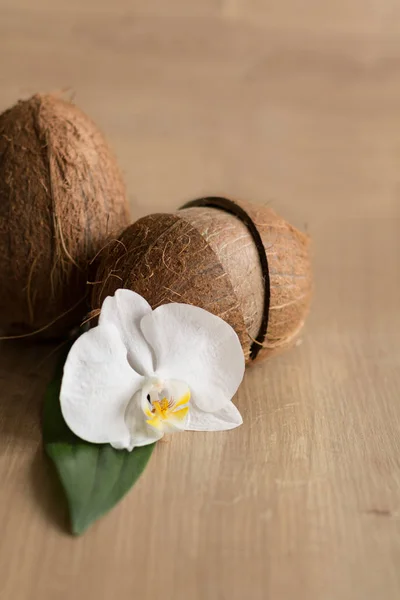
x=292, y=103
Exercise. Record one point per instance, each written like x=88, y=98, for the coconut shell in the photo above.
x=61, y=198
x=207, y=257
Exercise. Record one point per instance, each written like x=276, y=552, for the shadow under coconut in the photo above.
x=26, y=368
x=25, y=371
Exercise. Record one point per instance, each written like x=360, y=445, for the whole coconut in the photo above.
x=238, y=260
x=61, y=198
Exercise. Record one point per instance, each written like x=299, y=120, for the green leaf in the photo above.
x=94, y=477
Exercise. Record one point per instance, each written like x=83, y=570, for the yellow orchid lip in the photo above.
x=168, y=411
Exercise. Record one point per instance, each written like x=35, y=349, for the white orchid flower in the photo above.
x=142, y=373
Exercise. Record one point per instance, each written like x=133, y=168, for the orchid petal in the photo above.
x=125, y=310
x=97, y=386
x=226, y=418
x=199, y=348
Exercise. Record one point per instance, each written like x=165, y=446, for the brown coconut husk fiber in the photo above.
x=61, y=198
x=205, y=256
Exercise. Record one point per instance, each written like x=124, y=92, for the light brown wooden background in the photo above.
x=295, y=103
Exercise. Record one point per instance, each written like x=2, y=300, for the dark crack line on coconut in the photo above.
x=234, y=209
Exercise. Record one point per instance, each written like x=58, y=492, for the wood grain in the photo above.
x=294, y=104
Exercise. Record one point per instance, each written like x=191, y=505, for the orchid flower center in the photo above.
x=167, y=405
x=163, y=404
